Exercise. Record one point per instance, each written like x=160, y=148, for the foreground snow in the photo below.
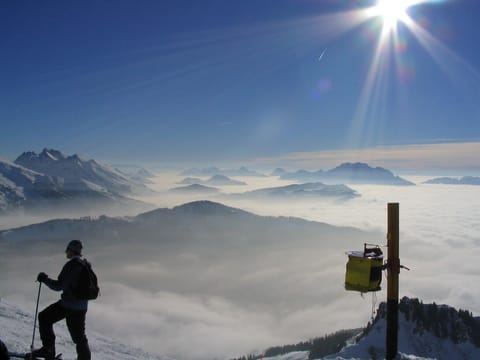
x=303, y=355
x=414, y=342
x=17, y=327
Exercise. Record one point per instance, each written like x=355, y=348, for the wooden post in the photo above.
x=393, y=270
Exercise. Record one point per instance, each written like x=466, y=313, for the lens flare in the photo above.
x=391, y=12
x=394, y=26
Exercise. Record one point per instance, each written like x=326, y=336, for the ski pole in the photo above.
x=35, y=321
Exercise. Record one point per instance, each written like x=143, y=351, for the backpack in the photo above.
x=87, y=288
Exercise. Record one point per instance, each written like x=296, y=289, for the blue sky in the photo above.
x=222, y=81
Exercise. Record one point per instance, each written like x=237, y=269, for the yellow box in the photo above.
x=364, y=273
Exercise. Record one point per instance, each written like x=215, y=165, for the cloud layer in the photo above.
x=204, y=298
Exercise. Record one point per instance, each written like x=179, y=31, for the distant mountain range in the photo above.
x=134, y=172
x=210, y=171
x=195, y=188
x=278, y=172
x=215, y=180
x=288, y=192
x=302, y=191
x=52, y=179
x=466, y=180
x=347, y=173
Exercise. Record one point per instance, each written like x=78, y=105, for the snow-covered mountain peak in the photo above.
x=52, y=154
x=47, y=155
x=19, y=176
x=428, y=331
x=73, y=169
x=49, y=160
x=360, y=167
x=50, y=178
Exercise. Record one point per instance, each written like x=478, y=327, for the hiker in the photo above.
x=69, y=307
x=3, y=351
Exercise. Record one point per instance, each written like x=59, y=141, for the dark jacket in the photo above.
x=67, y=281
x=3, y=351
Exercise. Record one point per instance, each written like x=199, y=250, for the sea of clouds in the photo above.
x=439, y=238
x=189, y=309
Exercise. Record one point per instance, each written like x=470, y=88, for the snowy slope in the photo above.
x=296, y=355
x=410, y=345
x=73, y=169
x=10, y=195
x=53, y=181
x=26, y=189
x=418, y=337
x=18, y=184
x=23, y=179
x=413, y=336
x=17, y=328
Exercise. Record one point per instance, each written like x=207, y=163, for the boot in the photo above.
x=83, y=351
x=46, y=352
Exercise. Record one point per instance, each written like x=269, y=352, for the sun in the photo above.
x=391, y=12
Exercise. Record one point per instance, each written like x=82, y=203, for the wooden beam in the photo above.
x=393, y=270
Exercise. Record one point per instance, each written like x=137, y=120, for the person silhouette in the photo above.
x=69, y=307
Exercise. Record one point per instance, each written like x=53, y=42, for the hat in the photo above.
x=75, y=246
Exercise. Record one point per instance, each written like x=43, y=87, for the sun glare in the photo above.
x=391, y=49
x=391, y=12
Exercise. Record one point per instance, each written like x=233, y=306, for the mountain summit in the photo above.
x=350, y=173
x=75, y=170
x=51, y=180
x=205, y=207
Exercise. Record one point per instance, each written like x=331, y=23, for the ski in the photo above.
x=26, y=357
